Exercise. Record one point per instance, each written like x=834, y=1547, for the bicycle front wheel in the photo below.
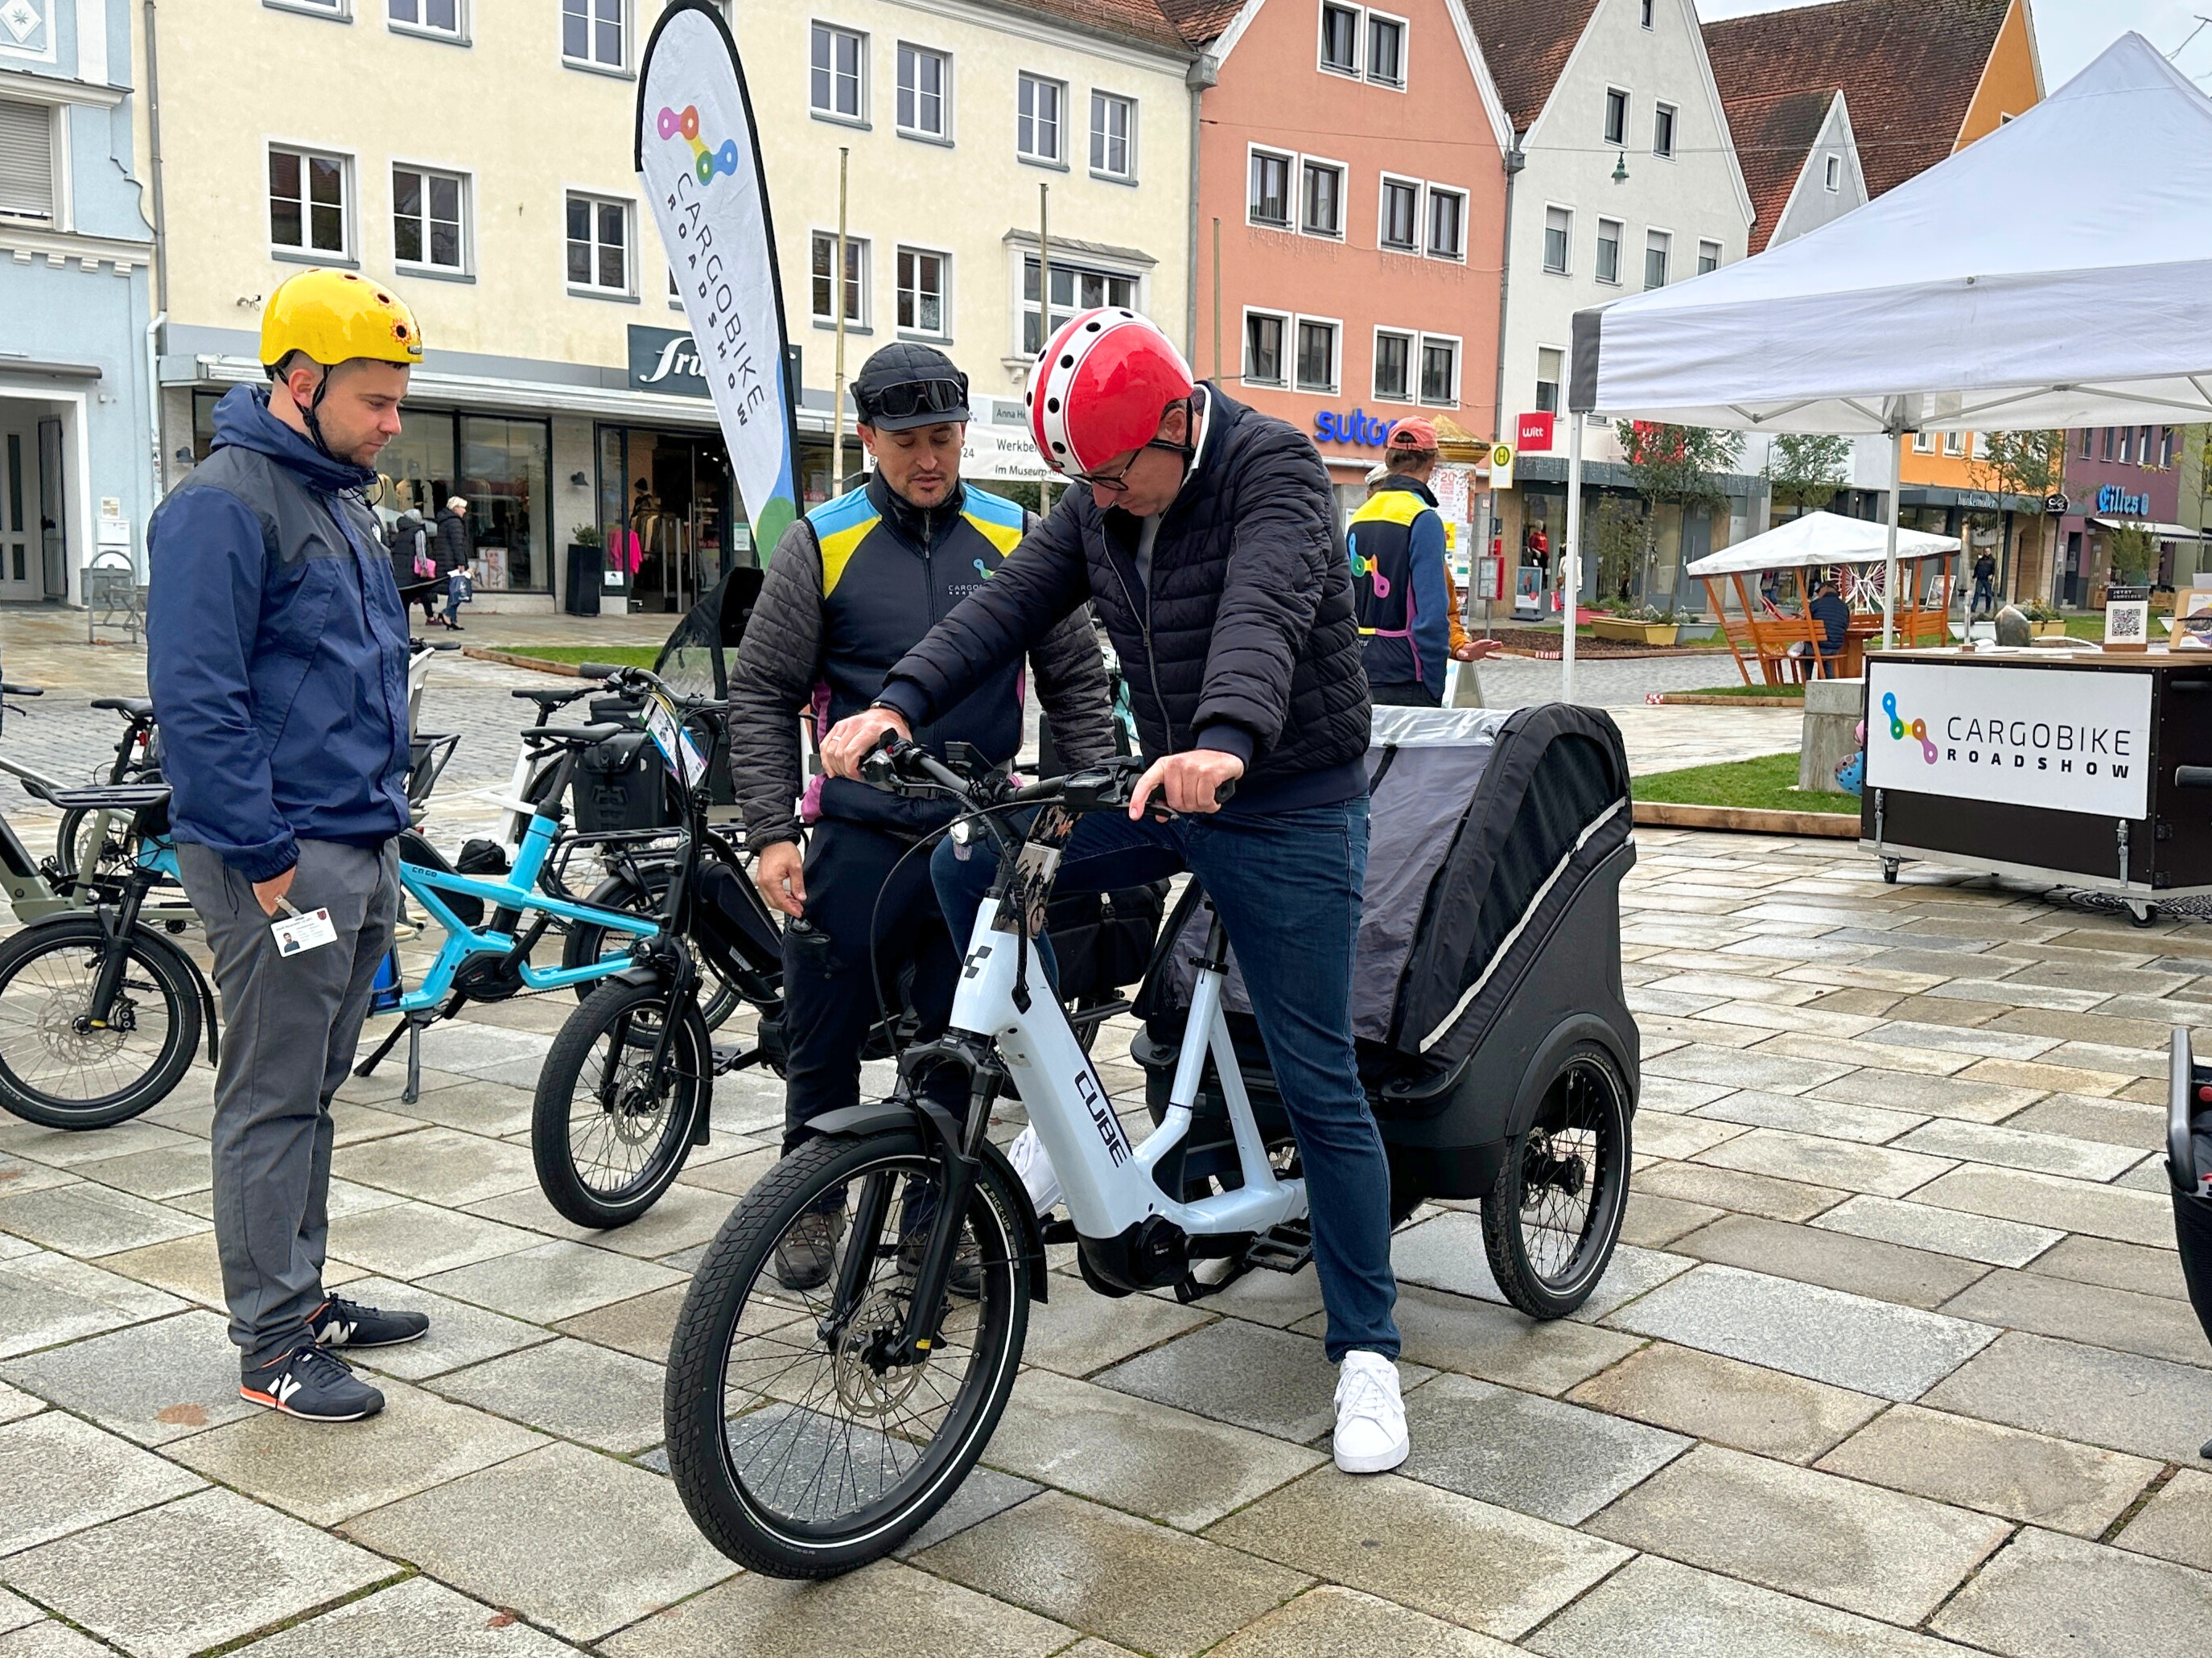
x=607, y=1138
x=60, y=1070
x=801, y=1445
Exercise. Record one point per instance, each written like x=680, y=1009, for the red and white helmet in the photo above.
x=1100, y=386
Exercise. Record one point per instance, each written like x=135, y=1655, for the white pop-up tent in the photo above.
x=2025, y=282
x=1816, y=541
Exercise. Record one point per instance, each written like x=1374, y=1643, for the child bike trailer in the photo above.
x=1498, y=1055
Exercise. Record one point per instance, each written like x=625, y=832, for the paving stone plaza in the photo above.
x=1893, y=1359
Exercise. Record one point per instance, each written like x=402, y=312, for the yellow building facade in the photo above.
x=477, y=155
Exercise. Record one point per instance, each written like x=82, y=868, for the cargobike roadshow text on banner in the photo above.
x=700, y=158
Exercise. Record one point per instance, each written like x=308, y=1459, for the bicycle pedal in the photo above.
x=1284, y=1248
x=1057, y=1231
x=727, y=1059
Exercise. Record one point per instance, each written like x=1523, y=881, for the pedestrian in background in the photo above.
x=1400, y=578
x=452, y=558
x=412, y=565
x=1985, y=584
x=277, y=653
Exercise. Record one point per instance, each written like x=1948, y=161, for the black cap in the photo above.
x=905, y=385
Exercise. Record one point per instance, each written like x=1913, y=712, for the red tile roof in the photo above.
x=1773, y=134
x=1526, y=44
x=1131, y=19
x=1909, y=68
x=1201, y=21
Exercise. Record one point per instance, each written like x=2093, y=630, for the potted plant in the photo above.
x=2044, y=620
x=1645, y=625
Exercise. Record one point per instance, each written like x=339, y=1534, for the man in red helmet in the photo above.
x=1203, y=535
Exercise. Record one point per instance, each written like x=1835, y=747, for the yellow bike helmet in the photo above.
x=335, y=316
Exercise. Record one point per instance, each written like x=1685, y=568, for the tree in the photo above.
x=2030, y=464
x=2132, y=549
x=1676, y=466
x=1618, y=540
x=1805, y=470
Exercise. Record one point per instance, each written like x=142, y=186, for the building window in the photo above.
x=592, y=32
x=1954, y=444
x=1833, y=177
x=430, y=216
x=1263, y=348
x=1386, y=49
x=1924, y=443
x=1439, y=369
x=508, y=464
x=824, y=261
x=838, y=86
x=1616, y=116
x=308, y=202
x=1558, y=232
x=1270, y=200
x=2088, y=443
x=1316, y=355
x=1662, y=130
x=923, y=78
x=1709, y=256
x=599, y=245
x=428, y=17
x=2166, y=454
x=2126, y=445
x=2109, y=440
x=1037, y=128
x=26, y=164
x=1393, y=357
x=1113, y=136
x=2142, y=447
x=1321, y=200
x=1339, y=39
x=920, y=290
x=1401, y=207
x=1447, y=223
x=1608, y=250
x=1656, y=246
x=1074, y=288
x=1548, y=359
x=1644, y=16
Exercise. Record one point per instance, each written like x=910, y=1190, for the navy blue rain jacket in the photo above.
x=277, y=649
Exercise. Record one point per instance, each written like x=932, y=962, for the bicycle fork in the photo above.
x=117, y=923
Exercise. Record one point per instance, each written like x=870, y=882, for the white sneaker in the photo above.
x=1034, y=1164
x=1370, y=1418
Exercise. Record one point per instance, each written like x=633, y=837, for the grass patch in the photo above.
x=616, y=656
x=1768, y=783
x=1791, y=689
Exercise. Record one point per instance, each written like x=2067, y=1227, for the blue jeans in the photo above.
x=1287, y=886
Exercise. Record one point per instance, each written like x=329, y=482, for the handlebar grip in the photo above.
x=1221, y=795
x=597, y=670
x=2192, y=777
x=13, y=690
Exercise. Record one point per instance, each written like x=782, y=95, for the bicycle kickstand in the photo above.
x=414, y=1091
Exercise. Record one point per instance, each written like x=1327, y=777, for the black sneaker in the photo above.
x=312, y=1384
x=808, y=1248
x=342, y=1323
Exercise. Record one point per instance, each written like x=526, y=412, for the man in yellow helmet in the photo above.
x=276, y=654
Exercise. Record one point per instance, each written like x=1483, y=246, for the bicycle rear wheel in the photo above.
x=1550, y=1221
x=606, y=1141
x=800, y=1446
x=56, y=1070
x=587, y=942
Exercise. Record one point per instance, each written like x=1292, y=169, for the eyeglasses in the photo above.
x=1112, y=484
x=910, y=397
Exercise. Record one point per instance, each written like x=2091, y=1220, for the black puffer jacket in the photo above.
x=1245, y=641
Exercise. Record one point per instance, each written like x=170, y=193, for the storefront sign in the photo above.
x=665, y=360
x=1536, y=432
x=698, y=154
x=1358, y=427
x=2057, y=506
x=2112, y=499
x=2070, y=741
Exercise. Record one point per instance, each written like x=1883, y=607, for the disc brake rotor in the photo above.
x=866, y=1385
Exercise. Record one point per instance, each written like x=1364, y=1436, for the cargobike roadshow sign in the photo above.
x=2067, y=740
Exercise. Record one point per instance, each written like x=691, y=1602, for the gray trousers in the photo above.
x=290, y=1025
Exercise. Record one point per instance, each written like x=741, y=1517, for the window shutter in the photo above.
x=26, y=159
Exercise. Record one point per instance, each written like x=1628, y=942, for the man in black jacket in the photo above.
x=851, y=588
x=1205, y=532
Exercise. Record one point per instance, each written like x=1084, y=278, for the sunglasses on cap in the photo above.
x=911, y=397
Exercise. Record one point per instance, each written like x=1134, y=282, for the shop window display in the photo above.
x=506, y=472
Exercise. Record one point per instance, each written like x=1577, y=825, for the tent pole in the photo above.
x=1889, y=550
x=1570, y=561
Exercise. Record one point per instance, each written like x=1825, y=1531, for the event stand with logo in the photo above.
x=2047, y=766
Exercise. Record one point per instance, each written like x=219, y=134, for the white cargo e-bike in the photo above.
x=811, y=1429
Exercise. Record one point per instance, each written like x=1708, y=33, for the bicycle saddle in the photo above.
x=103, y=797
x=570, y=733
x=545, y=699
x=139, y=708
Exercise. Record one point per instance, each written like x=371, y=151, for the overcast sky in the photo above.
x=2069, y=33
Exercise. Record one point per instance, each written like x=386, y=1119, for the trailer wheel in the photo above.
x=2143, y=914
x=1550, y=1221
x=1889, y=871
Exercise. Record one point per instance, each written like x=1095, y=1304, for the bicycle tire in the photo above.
x=1581, y=1121
x=587, y=943
x=36, y=1018
x=700, y=1456
x=116, y=857
x=689, y=1089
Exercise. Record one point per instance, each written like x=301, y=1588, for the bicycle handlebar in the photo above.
x=2192, y=777
x=900, y=764
x=603, y=671
x=7, y=687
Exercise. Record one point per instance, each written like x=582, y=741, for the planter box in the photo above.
x=1634, y=632
x=2047, y=630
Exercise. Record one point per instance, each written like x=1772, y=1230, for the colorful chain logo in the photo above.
x=710, y=162
x=1898, y=731
x=1363, y=566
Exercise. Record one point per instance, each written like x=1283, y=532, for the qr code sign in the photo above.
x=2126, y=621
